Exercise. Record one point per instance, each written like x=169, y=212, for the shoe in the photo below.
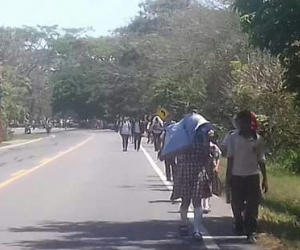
x=197, y=236
x=206, y=210
x=252, y=238
x=183, y=231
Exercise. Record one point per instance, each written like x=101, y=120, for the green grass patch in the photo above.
x=280, y=211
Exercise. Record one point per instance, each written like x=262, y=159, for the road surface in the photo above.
x=78, y=190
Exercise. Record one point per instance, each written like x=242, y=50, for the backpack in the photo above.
x=157, y=126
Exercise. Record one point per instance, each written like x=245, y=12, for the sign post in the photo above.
x=163, y=113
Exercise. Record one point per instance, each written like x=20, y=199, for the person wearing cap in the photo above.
x=246, y=161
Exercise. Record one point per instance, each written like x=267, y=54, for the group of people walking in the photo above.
x=192, y=153
x=131, y=129
x=134, y=129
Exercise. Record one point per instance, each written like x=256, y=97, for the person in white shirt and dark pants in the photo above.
x=138, y=131
x=246, y=161
x=125, y=131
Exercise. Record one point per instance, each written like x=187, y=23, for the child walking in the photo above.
x=246, y=160
x=212, y=169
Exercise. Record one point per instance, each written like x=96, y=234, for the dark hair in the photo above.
x=246, y=117
x=192, y=109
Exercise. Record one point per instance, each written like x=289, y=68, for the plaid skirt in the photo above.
x=191, y=180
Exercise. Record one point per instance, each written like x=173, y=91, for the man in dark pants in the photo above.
x=125, y=131
x=138, y=131
x=246, y=160
x=170, y=164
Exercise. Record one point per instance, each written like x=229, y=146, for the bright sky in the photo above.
x=102, y=15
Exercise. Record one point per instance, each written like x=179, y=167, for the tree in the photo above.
x=28, y=51
x=274, y=26
x=257, y=86
x=14, y=91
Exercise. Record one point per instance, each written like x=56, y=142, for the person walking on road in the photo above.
x=125, y=131
x=157, y=129
x=212, y=169
x=246, y=159
x=148, y=131
x=131, y=137
x=138, y=131
x=170, y=163
x=191, y=183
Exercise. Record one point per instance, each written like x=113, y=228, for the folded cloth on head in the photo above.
x=181, y=136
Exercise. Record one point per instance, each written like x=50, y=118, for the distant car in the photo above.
x=109, y=126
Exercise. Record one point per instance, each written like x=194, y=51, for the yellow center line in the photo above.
x=43, y=164
x=19, y=172
x=45, y=160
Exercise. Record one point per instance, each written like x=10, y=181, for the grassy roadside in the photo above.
x=280, y=211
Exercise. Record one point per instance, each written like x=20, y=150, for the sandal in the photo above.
x=183, y=231
x=197, y=236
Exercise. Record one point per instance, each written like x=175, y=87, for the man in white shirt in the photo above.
x=246, y=160
x=138, y=131
x=125, y=131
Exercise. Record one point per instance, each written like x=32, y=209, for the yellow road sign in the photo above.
x=163, y=113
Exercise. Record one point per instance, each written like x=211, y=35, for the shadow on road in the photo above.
x=161, y=235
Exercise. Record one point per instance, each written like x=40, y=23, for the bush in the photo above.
x=288, y=160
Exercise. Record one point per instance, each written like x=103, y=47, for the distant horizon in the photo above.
x=101, y=16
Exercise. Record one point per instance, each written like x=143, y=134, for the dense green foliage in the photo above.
x=274, y=26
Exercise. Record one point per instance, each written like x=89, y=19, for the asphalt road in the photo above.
x=78, y=190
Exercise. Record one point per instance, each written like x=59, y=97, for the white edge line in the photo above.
x=21, y=144
x=207, y=238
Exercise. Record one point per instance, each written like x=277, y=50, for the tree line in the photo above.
x=173, y=54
